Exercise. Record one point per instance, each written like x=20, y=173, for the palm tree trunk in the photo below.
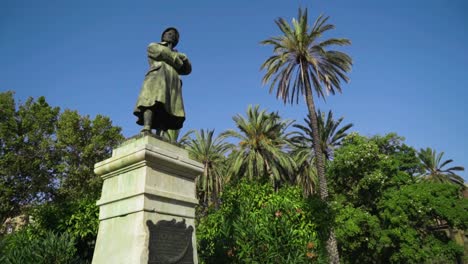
x=332, y=247
x=316, y=139
x=271, y=175
x=206, y=192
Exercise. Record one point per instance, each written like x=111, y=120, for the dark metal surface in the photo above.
x=170, y=242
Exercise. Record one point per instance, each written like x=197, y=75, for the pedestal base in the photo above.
x=147, y=206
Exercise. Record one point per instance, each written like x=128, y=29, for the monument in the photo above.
x=147, y=205
x=160, y=105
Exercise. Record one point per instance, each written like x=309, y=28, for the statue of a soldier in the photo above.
x=160, y=105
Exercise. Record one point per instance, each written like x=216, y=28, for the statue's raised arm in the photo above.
x=160, y=105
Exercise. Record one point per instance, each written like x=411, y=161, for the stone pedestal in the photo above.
x=147, y=206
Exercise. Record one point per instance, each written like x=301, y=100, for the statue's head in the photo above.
x=170, y=35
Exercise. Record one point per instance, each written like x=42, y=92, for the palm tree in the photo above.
x=172, y=136
x=261, y=154
x=306, y=171
x=330, y=138
x=211, y=152
x=434, y=169
x=301, y=60
x=329, y=133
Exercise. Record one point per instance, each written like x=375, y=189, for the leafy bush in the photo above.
x=382, y=214
x=78, y=218
x=255, y=224
x=410, y=216
x=28, y=247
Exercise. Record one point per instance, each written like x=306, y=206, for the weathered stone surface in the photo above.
x=145, y=180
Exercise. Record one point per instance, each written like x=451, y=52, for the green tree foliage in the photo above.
x=329, y=131
x=27, y=153
x=25, y=246
x=46, y=155
x=410, y=218
x=357, y=171
x=306, y=172
x=434, y=168
x=46, y=167
x=78, y=218
x=261, y=151
x=256, y=224
x=382, y=214
x=301, y=61
x=405, y=158
x=330, y=139
x=173, y=136
x=210, y=151
x=82, y=142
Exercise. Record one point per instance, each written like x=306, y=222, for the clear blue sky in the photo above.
x=410, y=72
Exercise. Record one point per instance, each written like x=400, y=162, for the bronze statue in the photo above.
x=160, y=105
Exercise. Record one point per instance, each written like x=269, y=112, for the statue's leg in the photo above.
x=147, y=120
x=161, y=128
x=159, y=132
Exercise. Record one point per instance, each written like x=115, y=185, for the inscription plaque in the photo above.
x=170, y=242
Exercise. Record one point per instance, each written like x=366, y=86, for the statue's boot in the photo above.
x=147, y=120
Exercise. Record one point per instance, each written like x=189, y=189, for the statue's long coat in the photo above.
x=162, y=88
